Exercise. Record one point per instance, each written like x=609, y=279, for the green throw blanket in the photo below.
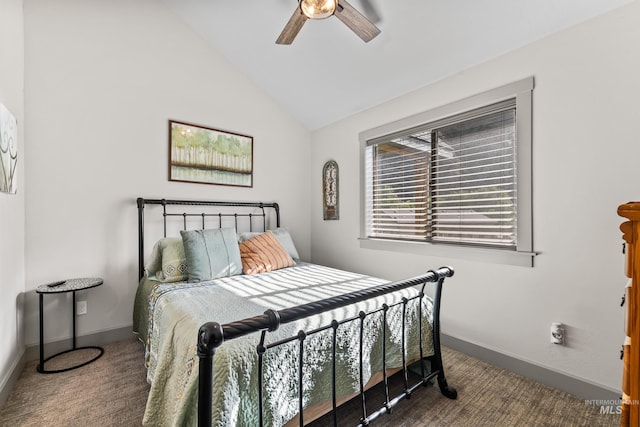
x=167, y=318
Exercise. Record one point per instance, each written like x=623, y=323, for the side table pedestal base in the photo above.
x=42, y=370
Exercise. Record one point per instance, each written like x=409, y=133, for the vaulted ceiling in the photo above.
x=328, y=73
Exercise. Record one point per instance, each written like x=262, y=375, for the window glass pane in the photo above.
x=474, y=181
x=399, y=191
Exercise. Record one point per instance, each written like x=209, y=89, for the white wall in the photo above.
x=586, y=125
x=102, y=80
x=12, y=207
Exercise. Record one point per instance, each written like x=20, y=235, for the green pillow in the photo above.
x=168, y=262
x=211, y=253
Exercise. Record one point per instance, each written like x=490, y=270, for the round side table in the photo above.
x=69, y=285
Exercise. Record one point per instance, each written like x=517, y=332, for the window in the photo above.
x=461, y=180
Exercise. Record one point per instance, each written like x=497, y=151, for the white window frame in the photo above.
x=523, y=254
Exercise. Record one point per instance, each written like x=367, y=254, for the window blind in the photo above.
x=450, y=181
x=399, y=207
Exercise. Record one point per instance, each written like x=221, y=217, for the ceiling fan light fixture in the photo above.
x=318, y=9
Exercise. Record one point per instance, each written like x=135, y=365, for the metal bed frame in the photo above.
x=167, y=213
x=211, y=335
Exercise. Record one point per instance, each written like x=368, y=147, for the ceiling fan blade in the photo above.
x=358, y=23
x=370, y=11
x=292, y=28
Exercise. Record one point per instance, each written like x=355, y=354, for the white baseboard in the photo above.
x=10, y=380
x=572, y=385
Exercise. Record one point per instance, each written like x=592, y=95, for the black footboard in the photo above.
x=211, y=335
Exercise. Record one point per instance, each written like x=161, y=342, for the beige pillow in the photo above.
x=264, y=253
x=168, y=262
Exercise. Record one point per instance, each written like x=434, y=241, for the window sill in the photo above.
x=496, y=256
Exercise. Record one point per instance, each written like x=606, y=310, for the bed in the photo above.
x=234, y=337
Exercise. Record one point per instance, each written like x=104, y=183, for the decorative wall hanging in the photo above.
x=8, y=151
x=330, y=190
x=209, y=156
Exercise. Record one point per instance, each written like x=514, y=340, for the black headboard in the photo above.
x=209, y=214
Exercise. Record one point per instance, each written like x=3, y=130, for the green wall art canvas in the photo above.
x=209, y=156
x=8, y=151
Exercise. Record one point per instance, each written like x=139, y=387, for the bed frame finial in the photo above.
x=210, y=337
x=274, y=319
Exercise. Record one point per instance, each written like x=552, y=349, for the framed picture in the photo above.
x=8, y=151
x=209, y=156
x=330, y=190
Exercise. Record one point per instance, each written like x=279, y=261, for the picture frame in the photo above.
x=205, y=155
x=330, y=191
x=8, y=151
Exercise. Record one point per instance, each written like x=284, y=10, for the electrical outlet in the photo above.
x=81, y=307
x=557, y=333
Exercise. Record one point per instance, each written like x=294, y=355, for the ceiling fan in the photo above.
x=320, y=9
